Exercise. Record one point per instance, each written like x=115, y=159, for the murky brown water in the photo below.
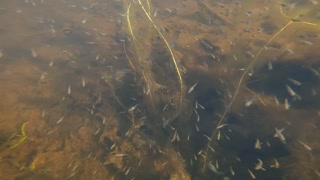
x=159, y=89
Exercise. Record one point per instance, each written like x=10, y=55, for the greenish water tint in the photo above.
x=159, y=89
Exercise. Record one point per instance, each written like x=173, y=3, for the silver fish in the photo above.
x=279, y=135
x=257, y=145
x=69, y=90
x=192, y=88
x=213, y=168
x=60, y=120
x=259, y=166
x=305, y=146
x=251, y=174
x=83, y=82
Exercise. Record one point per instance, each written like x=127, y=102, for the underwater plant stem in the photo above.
x=23, y=134
x=170, y=50
x=222, y=119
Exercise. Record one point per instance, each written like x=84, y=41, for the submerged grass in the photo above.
x=141, y=53
x=23, y=136
x=244, y=75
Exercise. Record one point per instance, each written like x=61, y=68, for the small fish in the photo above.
x=219, y=136
x=51, y=63
x=257, y=145
x=279, y=135
x=68, y=53
x=213, y=56
x=113, y=145
x=195, y=157
x=207, y=137
x=268, y=143
x=192, y=88
x=306, y=42
x=305, y=146
x=69, y=90
x=259, y=166
x=313, y=92
x=71, y=175
x=211, y=148
x=229, y=94
x=53, y=30
x=292, y=92
x=202, y=107
x=213, y=169
x=33, y=3
x=231, y=171
x=1, y=54
x=290, y=51
x=165, y=163
x=84, y=21
x=147, y=92
x=227, y=137
x=60, y=120
x=317, y=172
x=33, y=53
x=83, y=82
x=198, y=117
x=43, y=75
x=172, y=127
x=198, y=105
x=295, y=82
x=127, y=172
x=121, y=155
x=276, y=164
x=165, y=107
x=89, y=156
x=286, y=104
x=52, y=131
x=206, y=45
x=270, y=66
x=276, y=100
x=235, y=58
x=250, y=102
x=155, y=13
x=221, y=126
x=175, y=136
x=132, y=108
x=315, y=72
x=217, y=164
x=251, y=174
x=97, y=131
x=196, y=126
x=43, y=113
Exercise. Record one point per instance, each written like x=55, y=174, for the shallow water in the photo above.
x=170, y=90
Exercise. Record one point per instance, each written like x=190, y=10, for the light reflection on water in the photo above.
x=91, y=90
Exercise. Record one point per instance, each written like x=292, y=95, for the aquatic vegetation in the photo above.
x=163, y=90
x=22, y=137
